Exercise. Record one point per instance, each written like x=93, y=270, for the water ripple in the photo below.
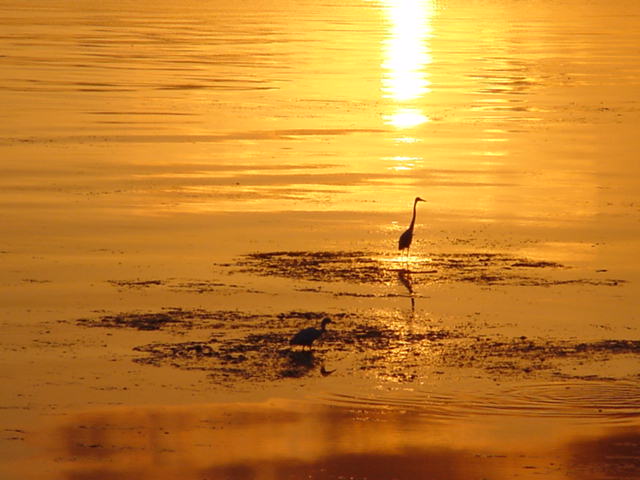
x=601, y=401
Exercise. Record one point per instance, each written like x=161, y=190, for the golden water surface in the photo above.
x=146, y=146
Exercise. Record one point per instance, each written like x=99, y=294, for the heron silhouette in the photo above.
x=407, y=237
x=307, y=336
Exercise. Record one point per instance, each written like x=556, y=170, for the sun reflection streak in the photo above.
x=400, y=163
x=407, y=54
x=408, y=262
x=406, y=118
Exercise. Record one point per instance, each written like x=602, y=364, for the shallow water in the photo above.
x=183, y=186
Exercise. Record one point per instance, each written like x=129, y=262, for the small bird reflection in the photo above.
x=324, y=372
x=301, y=363
x=302, y=358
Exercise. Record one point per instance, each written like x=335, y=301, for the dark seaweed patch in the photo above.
x=187, y=286
x=140, y=321
x=199, y=286
x=239, y=345
x=172, y=318
x=255, y=356
x=370, y=268
x=135, y=283
x=257, y=348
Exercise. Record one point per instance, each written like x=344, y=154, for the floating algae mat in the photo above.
x=231, y=346
x=371, y=268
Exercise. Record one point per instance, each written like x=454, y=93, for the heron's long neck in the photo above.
x=413, y=219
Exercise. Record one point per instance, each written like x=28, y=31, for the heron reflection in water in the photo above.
x=404, y=243
x=405, y=279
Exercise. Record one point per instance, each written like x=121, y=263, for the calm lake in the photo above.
x=185, y=185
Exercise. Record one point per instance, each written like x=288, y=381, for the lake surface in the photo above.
x=184, y=185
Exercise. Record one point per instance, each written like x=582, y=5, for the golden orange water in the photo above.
x=146, y=146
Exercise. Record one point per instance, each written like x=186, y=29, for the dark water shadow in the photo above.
x=614, y=456
x=289, y=439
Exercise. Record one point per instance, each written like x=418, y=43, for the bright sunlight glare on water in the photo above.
x=406, y=59
x=343, y=239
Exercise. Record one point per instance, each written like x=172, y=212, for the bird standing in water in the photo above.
x=407, y=237
x=307, y=336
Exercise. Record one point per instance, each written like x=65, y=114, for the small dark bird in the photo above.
x=407, y=237
x=307, y=336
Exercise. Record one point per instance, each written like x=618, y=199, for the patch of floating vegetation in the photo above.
x=186, y=286
x=368, y=268
x=173, y=318
x=243, y=346
x=199, y=286
x=260, y=351
x=522, y=354
x=135, y=283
